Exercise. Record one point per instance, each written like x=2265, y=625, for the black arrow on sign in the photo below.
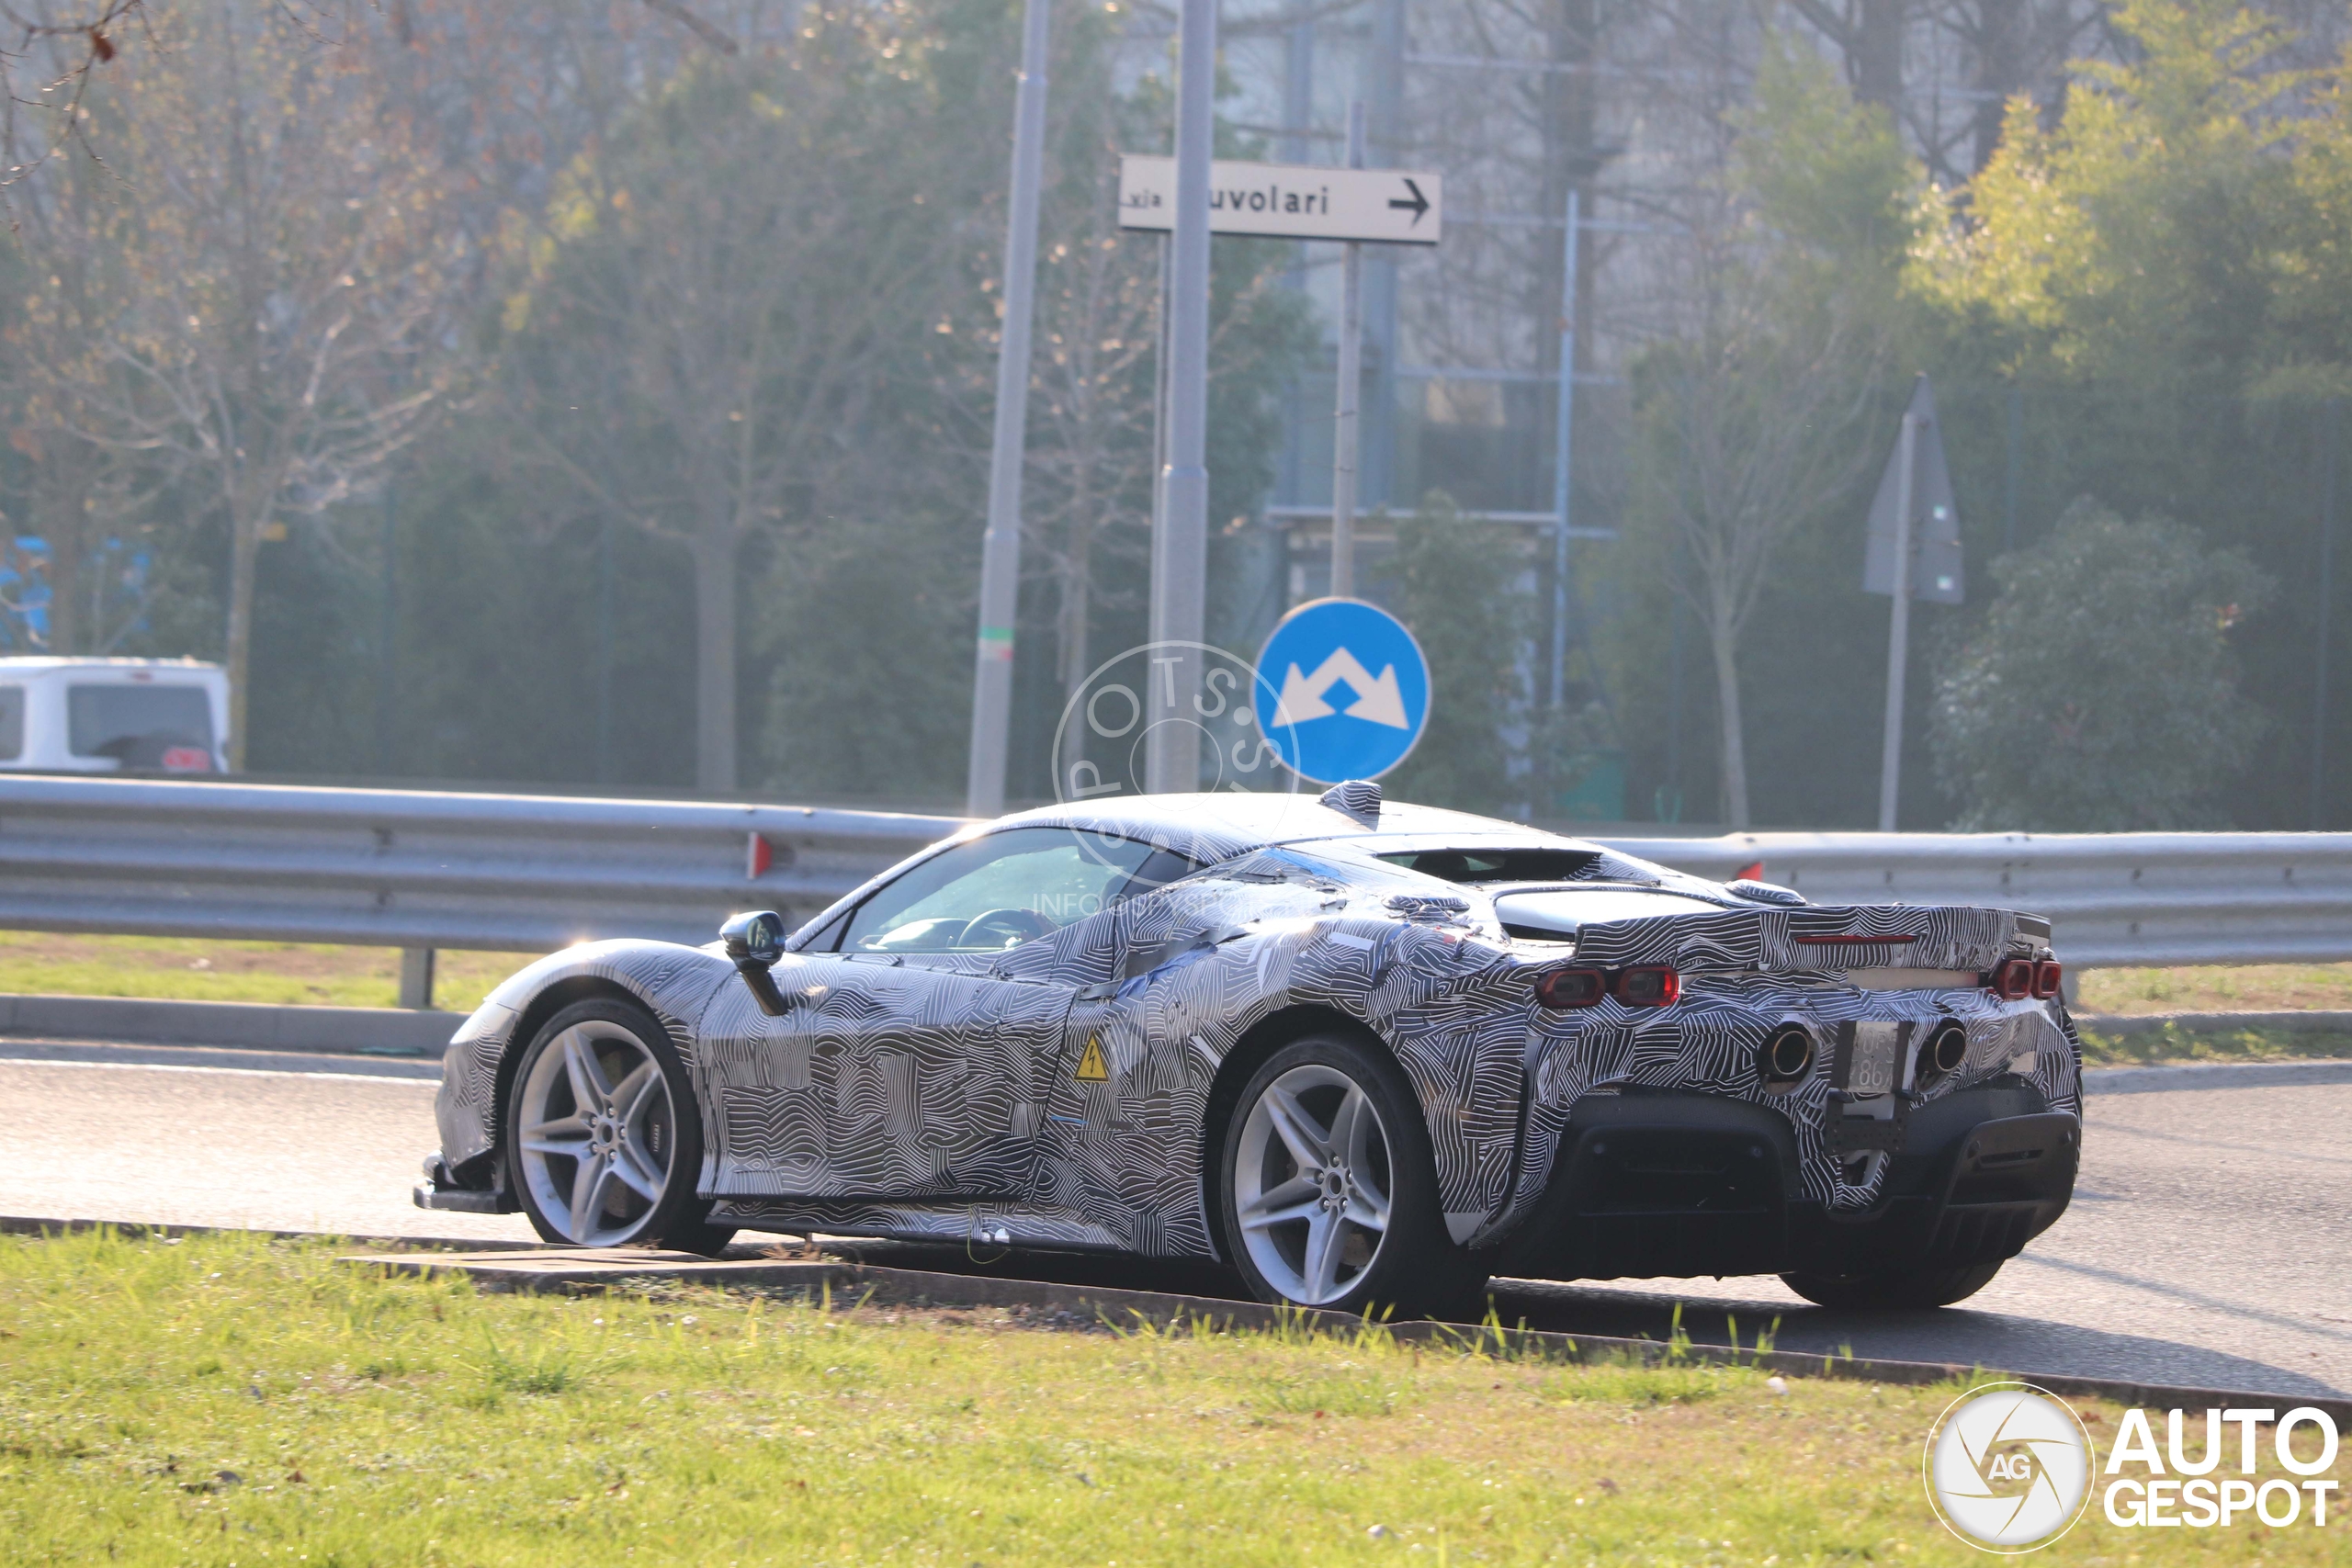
x=1419, y=205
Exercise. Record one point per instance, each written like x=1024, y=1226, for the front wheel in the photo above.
x=1894, y=1289
x=1328, y=1191
x=603, y=1143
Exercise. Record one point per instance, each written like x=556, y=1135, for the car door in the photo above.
x=913, y=1061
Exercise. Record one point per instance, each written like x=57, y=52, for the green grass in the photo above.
x=2218, y=987
x=2174, y=1045
x=224, y=1400
x=186, y=969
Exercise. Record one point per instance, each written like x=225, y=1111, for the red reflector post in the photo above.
x=2048, y=976
x=1565, y=988
x=1651, y=987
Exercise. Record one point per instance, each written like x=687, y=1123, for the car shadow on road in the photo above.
x=1952, y=1335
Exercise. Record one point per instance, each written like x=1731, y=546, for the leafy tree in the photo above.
x=721, y=297
x=2099, y=693
x=1449, y=580
x=1752, y=413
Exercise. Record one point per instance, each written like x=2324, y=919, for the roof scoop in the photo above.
x=1357, y=798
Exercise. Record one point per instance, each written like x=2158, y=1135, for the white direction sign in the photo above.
x=1291, y=202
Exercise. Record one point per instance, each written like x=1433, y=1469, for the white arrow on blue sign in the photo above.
x=1353, y=690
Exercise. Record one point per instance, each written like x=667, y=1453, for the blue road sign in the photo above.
x=1353, y=690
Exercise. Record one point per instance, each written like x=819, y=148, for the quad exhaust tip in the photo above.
x=1786, y=1057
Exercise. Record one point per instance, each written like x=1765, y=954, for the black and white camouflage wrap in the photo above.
x=940, y=1095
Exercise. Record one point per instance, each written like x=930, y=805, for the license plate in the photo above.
x=1871, y=1059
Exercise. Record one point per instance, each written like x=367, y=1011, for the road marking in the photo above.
x=233, y=1072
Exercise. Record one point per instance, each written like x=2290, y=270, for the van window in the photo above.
x=139, y=725
x=12, y=723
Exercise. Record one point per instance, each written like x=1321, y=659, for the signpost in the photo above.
x=1292, y=201
x=1355, y=689
x=1913, y=552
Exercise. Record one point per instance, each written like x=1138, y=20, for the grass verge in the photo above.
x=2219, y=988
x=186, y=969
x=226, y=1400
x=2173, y=1044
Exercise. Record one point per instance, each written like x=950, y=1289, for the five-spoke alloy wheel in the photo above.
x=604, y=1143
x=1329, y=1195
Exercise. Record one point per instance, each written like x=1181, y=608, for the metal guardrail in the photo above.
x=421, y=869
x=2115, y=899
x=417, y=869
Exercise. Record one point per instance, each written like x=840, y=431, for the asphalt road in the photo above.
x=2206, y=1246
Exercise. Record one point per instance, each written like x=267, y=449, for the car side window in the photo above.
x=996, y=892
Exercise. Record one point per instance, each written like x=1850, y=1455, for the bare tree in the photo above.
x=279, y=318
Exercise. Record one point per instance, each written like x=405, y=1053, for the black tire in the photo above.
x=1894, y=1289
x=669, y=1131
x=1414, y=1268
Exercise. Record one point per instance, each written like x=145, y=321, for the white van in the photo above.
x=105, y=716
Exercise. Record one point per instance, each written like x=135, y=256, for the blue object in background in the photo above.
x=1355, y=689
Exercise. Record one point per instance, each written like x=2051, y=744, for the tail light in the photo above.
x=2048, y=976
x=2013, y=981
x=1653, y=986
x=1565, y=988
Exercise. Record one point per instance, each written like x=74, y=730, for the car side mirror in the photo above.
x=754, y=940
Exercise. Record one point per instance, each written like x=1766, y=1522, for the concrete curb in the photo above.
x=504, y=1266
x=141, y=1020
x=2100, y=1081
x=572, y=1271
x=2120, y=1023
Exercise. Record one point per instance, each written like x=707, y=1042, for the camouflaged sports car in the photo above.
x=1366, y=1052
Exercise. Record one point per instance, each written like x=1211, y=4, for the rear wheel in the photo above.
x=1894, y=1288
x=1328, y=1191
x=602, y=1141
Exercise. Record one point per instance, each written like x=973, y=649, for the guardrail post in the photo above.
x=417, y=978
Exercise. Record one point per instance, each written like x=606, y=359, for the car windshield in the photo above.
x=1558, y=914
x=12, y=723
x=995, y=892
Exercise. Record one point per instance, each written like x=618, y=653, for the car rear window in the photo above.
x=129, y=722
x=1532, y=865
x=12, y=723
x=1555, y=916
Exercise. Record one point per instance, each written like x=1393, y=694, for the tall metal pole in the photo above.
x=1180, y=545
x=2328, y=433
x=1562, y=447
x=388, y=640
x=1346, y=433
x=1898, y=636
x=1001, y=544
x=604, y=653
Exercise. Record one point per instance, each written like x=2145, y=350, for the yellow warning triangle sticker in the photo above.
x=1091, y=1069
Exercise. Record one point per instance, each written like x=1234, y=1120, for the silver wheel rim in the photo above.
x=599, y=1135
x=1311, y=1180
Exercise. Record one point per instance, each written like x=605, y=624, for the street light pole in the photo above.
x=1179, y=547
x=1001, y=544
x=1562, y=447
x=1898, y=632
x=1347, y=425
